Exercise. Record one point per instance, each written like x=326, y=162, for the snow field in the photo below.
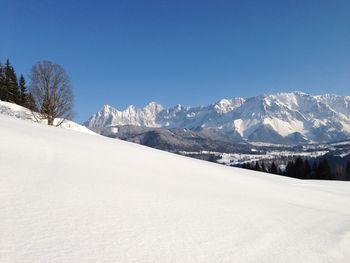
x=72, y=197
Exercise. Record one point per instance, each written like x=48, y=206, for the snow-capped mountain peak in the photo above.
x=278, y=117
x=153, y=108
x=106, y=109
x=227, y=105
x=109, y=116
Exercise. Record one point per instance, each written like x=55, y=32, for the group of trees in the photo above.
x=13, y=89
x=50, y=95
x=302, y=169
x=342, y=172
x=262, y=167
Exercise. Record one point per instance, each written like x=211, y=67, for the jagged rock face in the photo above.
x=108, y=116
x=293, y=117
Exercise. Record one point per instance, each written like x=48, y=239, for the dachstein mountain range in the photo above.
x=283, y=118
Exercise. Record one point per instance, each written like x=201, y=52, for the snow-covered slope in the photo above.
x=278, y=118
x=73, y=197
x=17, y=111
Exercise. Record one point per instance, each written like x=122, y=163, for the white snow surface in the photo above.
x=73, y=197
x=17, y=111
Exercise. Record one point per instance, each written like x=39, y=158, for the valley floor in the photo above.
x=66, y=196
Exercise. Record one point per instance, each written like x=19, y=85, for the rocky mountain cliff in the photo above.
x=294, y=117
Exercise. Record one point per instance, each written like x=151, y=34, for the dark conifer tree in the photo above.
x=23, y=91
x=3, y=91
x=323, y=171
x=273, y=168
x=307, y=169
x=263, y=167
x=31, y=103
x=313, y=174
x=348, y=171
x=290, y=169
x=279, y=171
x=3, y=88
x=299, y=168
x=339, y=172
x=257, y=166
x=11, y=87
x=328, y=171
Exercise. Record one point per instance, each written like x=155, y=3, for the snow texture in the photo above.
x=17, y=111
x=68, y=197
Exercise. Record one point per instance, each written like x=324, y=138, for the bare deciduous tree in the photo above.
x=52, y=92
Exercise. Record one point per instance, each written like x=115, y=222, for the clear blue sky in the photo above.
x=181, y=51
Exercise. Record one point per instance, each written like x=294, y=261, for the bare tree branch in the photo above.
x=52, y=92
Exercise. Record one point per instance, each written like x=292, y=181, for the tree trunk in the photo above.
x=50, y=121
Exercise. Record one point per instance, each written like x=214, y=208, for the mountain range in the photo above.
x=289, y=118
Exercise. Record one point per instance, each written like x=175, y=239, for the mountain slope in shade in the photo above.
x=278, y=118
x=177, y=140
x=81, y=198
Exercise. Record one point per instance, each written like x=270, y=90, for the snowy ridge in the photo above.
x=19, y=112
x=131, y=116
x=81, y=198
x=294, y=117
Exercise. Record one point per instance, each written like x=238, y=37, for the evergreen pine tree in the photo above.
x=339, y=172
x=323, y=171
x=2, y=83
x=31, y=103
x=23, y=91
x=313, y=174
x=263, y=167
x=273, y=168
x=328, y=172
x=299, y=168
x=11, y=88
x=348, y=171
x=290, y=169
x=257, y=166
x=279, y=171
x=307, y=169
